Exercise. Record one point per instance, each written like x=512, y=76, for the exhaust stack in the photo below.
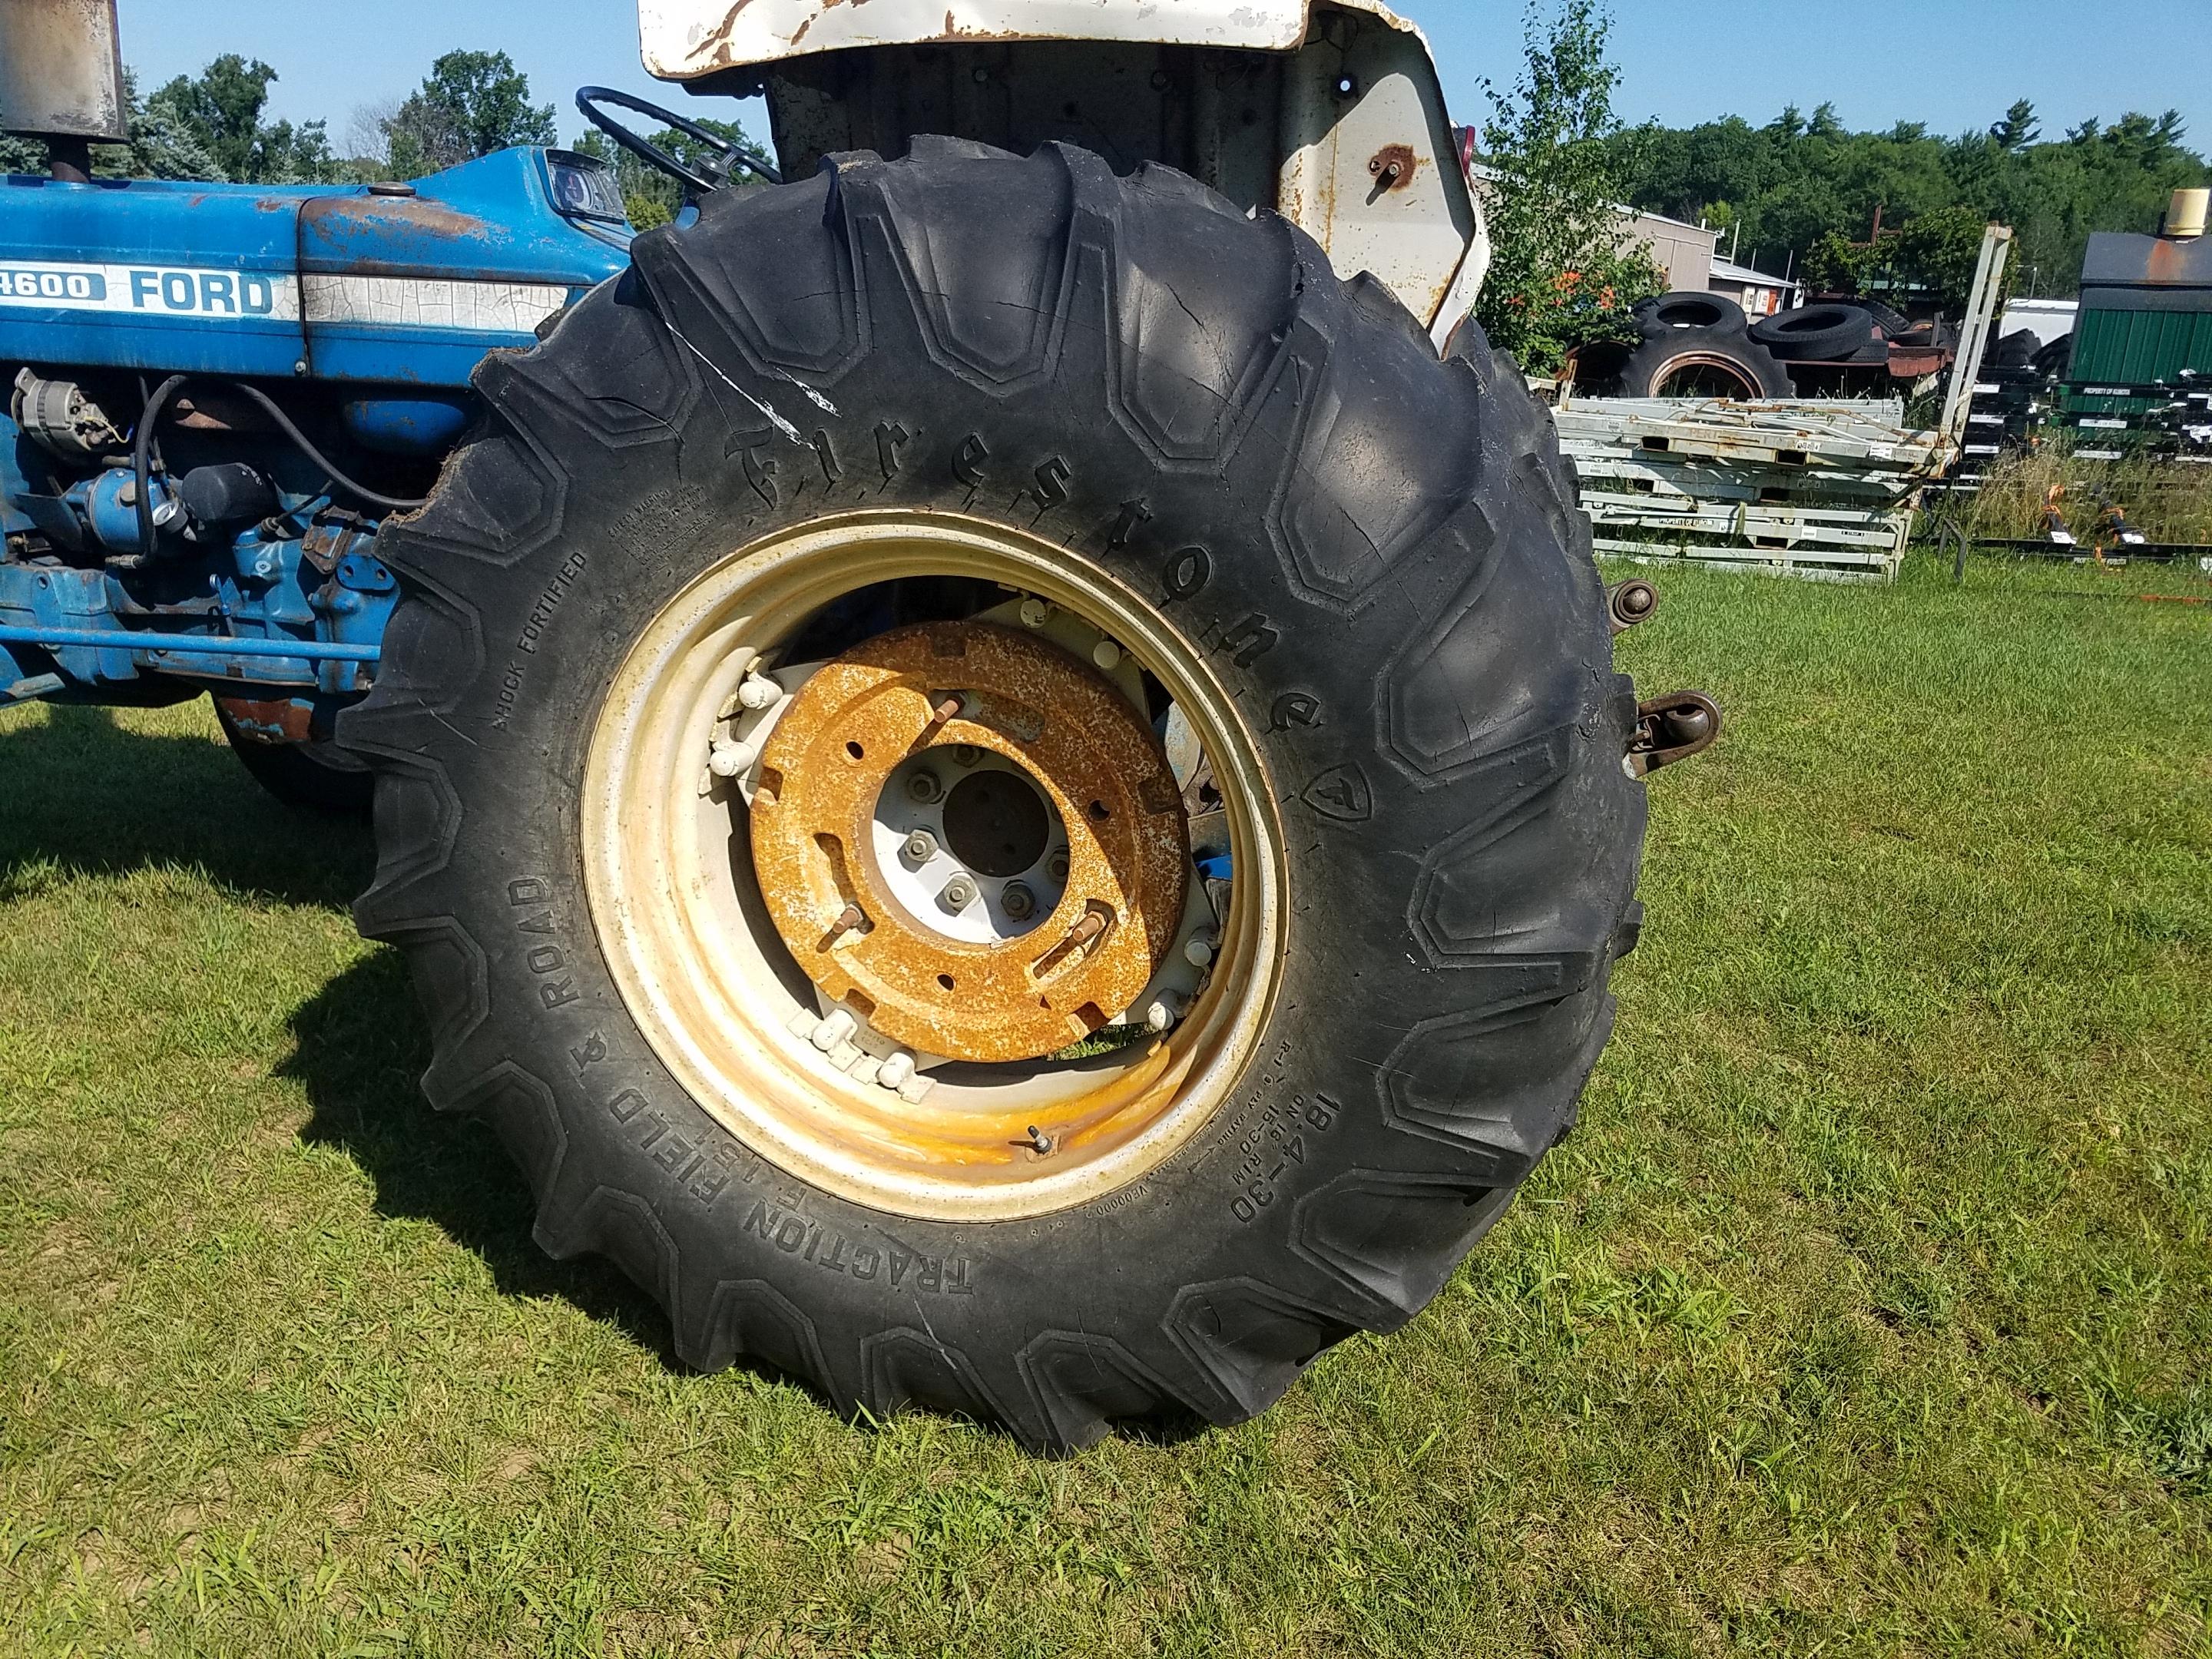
x=61, y=79
x=2185, y=216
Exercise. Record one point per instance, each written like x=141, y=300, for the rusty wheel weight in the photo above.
x=1083, y=761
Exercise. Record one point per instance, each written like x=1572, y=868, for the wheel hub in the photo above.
x=997, y=824
x=1053, y=861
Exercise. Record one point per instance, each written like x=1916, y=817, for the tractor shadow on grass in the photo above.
x=359, y=1048
x=84, y=796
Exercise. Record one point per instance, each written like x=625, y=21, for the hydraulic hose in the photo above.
x=142, y=443
x=396, y=503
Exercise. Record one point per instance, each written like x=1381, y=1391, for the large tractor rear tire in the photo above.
x=1261, y=648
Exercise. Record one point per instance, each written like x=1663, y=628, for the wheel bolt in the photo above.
x=1166, y=1010
x=1057, y=865
x=731, y=758
x=921, y=847
x=1199, y=953
x=837, y=1028
x=1036, y=613
x=1107, y=655
x=1018, y=902
x=759, y=692
x=959, y=892
x=923, y=787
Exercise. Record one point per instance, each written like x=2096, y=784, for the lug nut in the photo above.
x=966, y=754
x=921, y=847
x=1018, y=902
x=1057, y=866
x=1107, y=655
x=923, y=787
x=1199, y=953
x=759, y=692
x=1036, y=613
x=959, y=893
x=731, y=758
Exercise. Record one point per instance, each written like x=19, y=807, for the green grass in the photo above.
x=1866, y=1313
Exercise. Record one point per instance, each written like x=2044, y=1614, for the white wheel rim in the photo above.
x=717, y=996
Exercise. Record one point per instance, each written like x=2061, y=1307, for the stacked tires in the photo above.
x=1698, y=345
x=1828, y=332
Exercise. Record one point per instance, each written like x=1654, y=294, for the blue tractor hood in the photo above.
x=392, y=284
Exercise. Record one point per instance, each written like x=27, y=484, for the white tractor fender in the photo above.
x=1361, y=155
x=681, y=40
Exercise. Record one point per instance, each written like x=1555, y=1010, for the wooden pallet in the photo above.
x=1817, y=489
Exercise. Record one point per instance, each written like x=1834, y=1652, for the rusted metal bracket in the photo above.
x=1630, y=603
x=1669, y=729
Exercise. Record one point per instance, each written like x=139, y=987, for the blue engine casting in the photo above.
x=214, y=393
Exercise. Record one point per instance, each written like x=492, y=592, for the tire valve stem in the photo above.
x=1038, y=1142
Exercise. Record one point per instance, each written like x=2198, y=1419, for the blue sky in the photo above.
x=1953, y=64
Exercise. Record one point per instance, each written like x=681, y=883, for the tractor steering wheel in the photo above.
x=717, y=172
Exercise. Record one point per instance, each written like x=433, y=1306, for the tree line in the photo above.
x=1898, y=213
x=1799, y=194
x=1803, y=193
x=214, y=126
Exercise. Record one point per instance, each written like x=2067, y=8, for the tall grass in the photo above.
x=2170, y=501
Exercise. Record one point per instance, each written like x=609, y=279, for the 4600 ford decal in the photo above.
x=171, y=290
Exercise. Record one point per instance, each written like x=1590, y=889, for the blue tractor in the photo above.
x=219, y=393
x=1000, y=766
